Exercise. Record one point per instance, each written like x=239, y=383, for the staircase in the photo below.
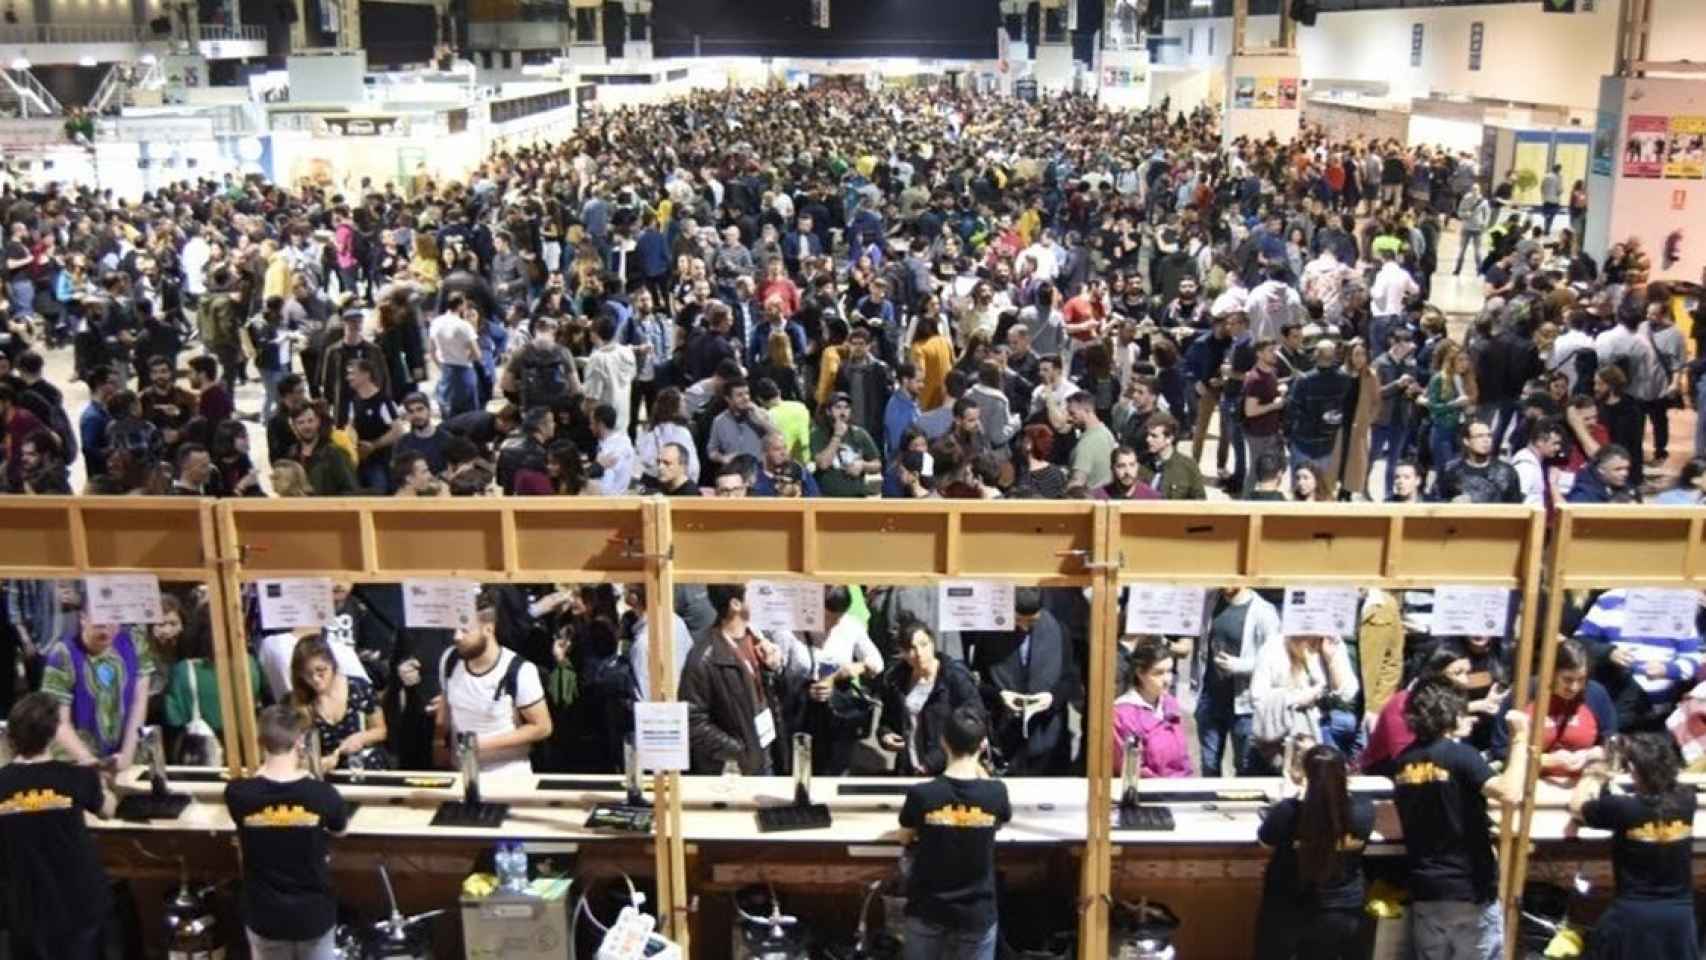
x=113, y=95
x=23, y=96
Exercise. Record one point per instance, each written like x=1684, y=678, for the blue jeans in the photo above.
x=1456, y=930
x=1443, y=444
x=1470, y=238
x=932, y=941
x=23, y=297
x=1700, y=421
x=456, y=390
x=1231, y=434
x=1341, y=729
x=269, y=399
x=1215, y=724
x=1387, y=442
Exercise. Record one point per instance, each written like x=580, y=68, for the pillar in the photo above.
x=1645, y=173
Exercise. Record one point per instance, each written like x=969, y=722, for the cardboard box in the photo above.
x=505, y=926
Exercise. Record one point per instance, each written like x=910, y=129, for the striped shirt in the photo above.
x=1682, y=658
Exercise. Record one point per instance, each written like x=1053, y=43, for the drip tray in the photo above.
x=146, y=806
x=799, y=816
x=1152, y=818
x=455, y=813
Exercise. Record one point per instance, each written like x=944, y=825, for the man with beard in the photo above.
x=490, y=691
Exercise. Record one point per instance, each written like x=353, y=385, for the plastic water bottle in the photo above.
x=511, y=864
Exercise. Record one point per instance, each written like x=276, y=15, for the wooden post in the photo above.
x=1514, y=872
x=673, y=912
x=1533, y=551
x=1241, y=24
x=1096, y=886
x=230, y=646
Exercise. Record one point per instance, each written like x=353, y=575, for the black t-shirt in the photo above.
x=371, y=416
x=1652, y=854
x=54, y=881
x=287, y=890
x=1281, y=886
x=953, y=870
x=1438, y=795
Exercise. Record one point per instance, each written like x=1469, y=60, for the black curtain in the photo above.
x=957, y=29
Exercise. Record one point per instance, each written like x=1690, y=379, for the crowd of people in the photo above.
x=918, y=294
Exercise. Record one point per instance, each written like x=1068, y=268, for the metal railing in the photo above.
x=34, y=100
x=115, y=33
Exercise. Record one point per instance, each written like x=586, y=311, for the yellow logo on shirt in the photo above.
x=35, y=801
x=1420, y=774
x=294, y=815
x=1670, y=831
x=960, y=815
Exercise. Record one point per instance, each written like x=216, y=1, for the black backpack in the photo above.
x=506, y=686
x=543, y=377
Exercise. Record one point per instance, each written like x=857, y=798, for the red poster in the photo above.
x=1644, y=147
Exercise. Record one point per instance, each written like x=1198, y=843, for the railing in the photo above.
x=33, y=98
x=115, y=33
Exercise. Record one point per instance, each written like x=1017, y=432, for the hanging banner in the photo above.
x=1685, y=150
x=1477, y=38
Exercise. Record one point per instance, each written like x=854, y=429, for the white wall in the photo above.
x=1528, y=55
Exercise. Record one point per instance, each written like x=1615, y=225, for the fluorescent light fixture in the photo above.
x=148, y=58
x=1201, y=4
x=20, y=64
x=85, y=61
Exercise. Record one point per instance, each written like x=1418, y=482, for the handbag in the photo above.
x=199, y=745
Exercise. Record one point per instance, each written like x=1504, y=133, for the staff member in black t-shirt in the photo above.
x=1312, y=891
x=283, y=817
x=57, y=897
x=1441, y=790
x=377, y=421
x=950, y=897
x=1651, y=853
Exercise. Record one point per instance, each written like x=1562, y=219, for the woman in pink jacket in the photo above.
x=1147, y=713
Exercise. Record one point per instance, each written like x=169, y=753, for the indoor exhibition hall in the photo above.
x=852, y=479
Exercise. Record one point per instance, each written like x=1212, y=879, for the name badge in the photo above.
x=765, y=725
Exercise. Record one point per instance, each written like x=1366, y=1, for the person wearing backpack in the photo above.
x=542, y=371
x=220, y=321
x=490, y=691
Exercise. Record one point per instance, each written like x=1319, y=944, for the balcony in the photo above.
x=68, y=44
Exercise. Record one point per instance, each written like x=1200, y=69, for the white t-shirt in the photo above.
x=275, y=660
x=453, y=337
x=478, y=706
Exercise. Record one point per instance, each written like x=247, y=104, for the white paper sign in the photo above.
x=660, y=735
x=974, y=605
x=785, y=605
x=441, y=604
x=117, y=598
x=1660, y=614
x=1463, y=611
x=1161, y=609
x=295, y=602
x=1319, y=611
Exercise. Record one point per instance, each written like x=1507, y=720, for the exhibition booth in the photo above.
x=698, y=844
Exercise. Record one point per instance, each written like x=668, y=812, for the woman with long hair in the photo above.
x=1451, y=393
x=1580, y=717
x=779, y=365
x=1392, y=734
x=1350, y=456
x=667, y=423
x=1298, y=686
x=931, y=354
x=344, y=710
x=1652, y=853
x=1312, y=891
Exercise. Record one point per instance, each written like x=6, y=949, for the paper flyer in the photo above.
x=121, y=598
x=295, y=602
x=1319, y=611
x=1463, y=611
x=1644, y=146
x=974, y=605
x=1243, y=93
x=1267, y=93
x=1660, y=614
x=438, y=604
x=792, y=605
x=1161, y=609
x=1685, y=151
x=660, y=735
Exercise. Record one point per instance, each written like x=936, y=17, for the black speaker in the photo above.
x=1015, y=23
x=286, y=11
x=162, y=26
x=1305, y=11
x=1155, y=16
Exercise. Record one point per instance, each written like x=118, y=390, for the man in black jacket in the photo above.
x=730, y=686
x=920, y=692
x=1025, y=680
x=1316, y=409
x=1477, y=476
